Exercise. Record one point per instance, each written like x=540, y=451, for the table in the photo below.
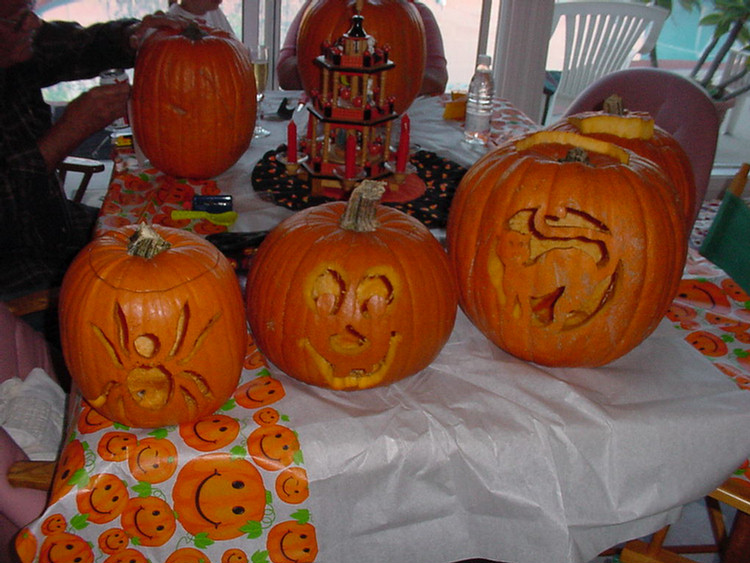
x=479, y=455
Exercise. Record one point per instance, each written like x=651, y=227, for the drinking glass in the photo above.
x=260, y=69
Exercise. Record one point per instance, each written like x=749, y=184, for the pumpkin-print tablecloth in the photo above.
x=480, y=455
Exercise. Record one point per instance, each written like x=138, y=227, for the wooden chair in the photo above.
x=733, y=547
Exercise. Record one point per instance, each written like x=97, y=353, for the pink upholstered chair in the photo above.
x=677, y=105
x=21, y=350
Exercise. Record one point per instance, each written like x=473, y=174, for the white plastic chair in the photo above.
x=736, y=61
x=600, y=38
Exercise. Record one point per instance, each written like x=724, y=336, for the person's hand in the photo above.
x=88, y=113
x=154, y=21
x=95, y=109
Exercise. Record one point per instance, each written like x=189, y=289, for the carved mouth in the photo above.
x=357, y=378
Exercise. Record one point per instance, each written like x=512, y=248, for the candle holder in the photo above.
x=347, y=183
x=399, y=177
x=292, y=168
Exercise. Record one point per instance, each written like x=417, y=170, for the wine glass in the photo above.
x=260, y=69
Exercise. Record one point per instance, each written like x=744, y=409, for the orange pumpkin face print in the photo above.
x=103, y=498
x=234, y=556
x=65, y=548
x=218, y=494
x=149, y=519
x=210, y=432
x=113, y=540
x=292, y=542
x=273, y=447
x=187, y=555
x=734, y=290
x=127, y=556
x=154, y=460
x=54, y=524
x=266, y=416
x=72, y=460
x=703, y=293
x=166, y=340
x=25, y=545
x=116, y=446
x=707, y=344
x=259, y=392
x=292, y=485
x=90, y=420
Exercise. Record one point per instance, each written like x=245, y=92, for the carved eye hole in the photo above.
x=328, y=292
x=374, y=294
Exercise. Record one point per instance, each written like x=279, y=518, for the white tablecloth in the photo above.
x=483, y=455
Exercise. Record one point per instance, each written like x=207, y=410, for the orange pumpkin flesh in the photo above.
x=395, y=23
x=565, y=263
x=153, y=341
x=636, y=131
x=346, y=309
x=193, y=102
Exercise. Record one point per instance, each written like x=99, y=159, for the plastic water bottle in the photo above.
x=479, y=103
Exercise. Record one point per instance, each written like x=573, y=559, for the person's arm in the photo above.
x=286, y=65
x=435, y=72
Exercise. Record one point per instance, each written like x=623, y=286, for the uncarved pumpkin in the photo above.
x=392, y=23
x=565, y=262
x=152, y=340
x=193, y=102
x=352, y=305
x=636, y=131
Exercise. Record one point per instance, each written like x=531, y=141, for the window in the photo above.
x=458, y=21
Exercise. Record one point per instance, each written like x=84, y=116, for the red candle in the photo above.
x=403, y=144
x=351, y=155
x=291, y=142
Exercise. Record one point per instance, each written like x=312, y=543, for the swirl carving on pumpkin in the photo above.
x=154, y=372
x=556, y=271
x=350, y=348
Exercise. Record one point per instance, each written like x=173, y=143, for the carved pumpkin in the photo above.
x=562, y=262
x=393, y=23
x=351, y=304
x=193, y=102
x=152, y=338
x=636, y=131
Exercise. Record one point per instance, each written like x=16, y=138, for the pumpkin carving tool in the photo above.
x=226, y=218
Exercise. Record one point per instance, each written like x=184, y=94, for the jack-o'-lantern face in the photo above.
x=292, y=485
x=149, y=519
x=707, y=344
x=532, y=248
x=210, y=432
x=703, y=293
x=113, y=540
x=103, y=499
x=218, y=494
x=292, y=542
x=734, y=290
x=259, y=392
x=154, y=460
x=352, y=346
x=116, y=446
x=65, y=548
x=273, y=447
x=71, y=461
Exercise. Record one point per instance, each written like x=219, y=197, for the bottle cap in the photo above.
x=485, y=60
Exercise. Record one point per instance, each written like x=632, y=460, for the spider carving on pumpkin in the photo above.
x=156, y=373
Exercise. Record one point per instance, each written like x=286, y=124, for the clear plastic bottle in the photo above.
x=479, y=103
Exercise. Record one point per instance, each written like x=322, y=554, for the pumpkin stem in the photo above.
x=359, y=215
x=194, y=32
x=614, y=105
x=146, y=242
